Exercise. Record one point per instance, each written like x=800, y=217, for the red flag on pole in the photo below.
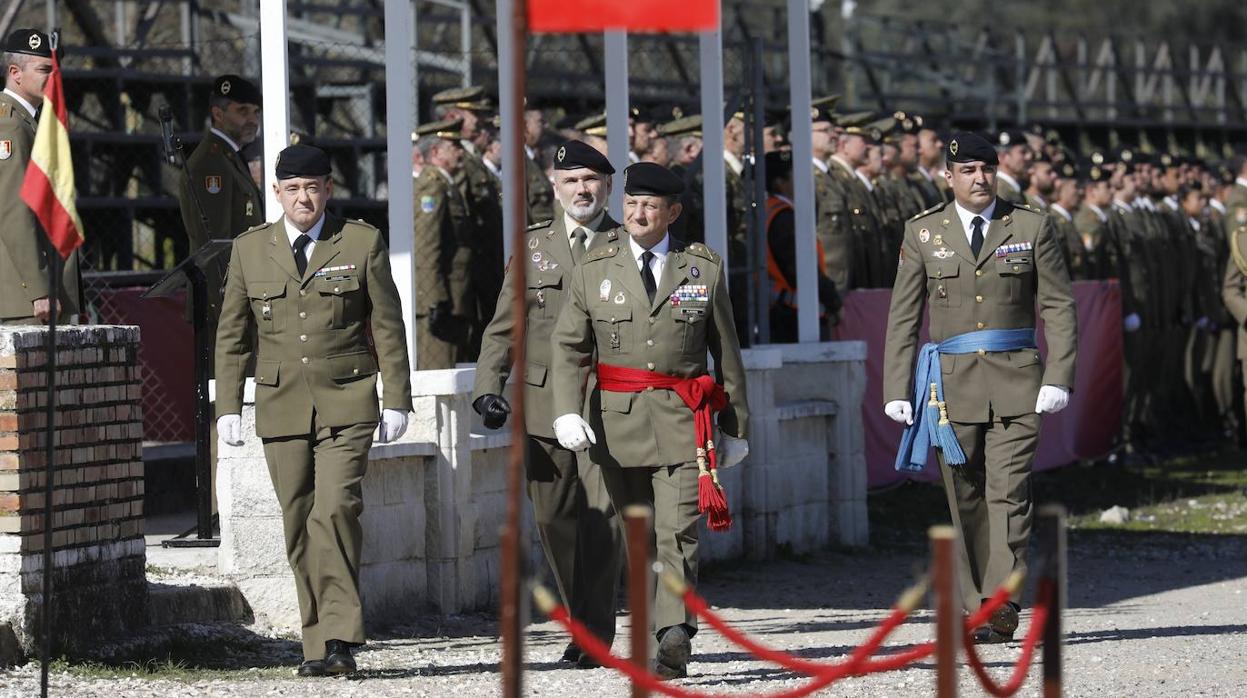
x=559, y=16
x=49, y=185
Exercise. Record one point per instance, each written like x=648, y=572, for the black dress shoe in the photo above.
x=571, y=653
x=674, y=649
x=311, y=667
x=338, y=659
x=1000, y=627
x=586, y=661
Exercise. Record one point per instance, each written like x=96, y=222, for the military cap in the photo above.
x=858, y=118
x=964, y=146
x=1168, y=160
x=1010, y=137
x=302, y=160
x=30, y=42
x=647, y=115
x=778, y=164
x=774, y=117
x=907, y=123
x=471, y=98
x=1097, y=173
x=593, y=125
x=1123, y=154
x=576, y=154
x=884, y=126
x=683, y=126
x=823, y=109
x=648, y=178
x=236, y=89
x=450, y=129
x=1069, y=170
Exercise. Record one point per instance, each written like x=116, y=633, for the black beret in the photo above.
x=778, y=164
x=236, y=89
x=576, y=154
x=31, y=42
x=1010, y=137
x=1095, y=172
x=648, y=178
x=964, y=146
x=302, y=161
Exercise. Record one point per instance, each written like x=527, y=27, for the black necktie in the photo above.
x=647, y=275
x=976, y=238
x=300, y=259
x=578, y=245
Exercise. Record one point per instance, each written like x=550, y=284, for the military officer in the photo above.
x=444, y=236
x=1041, y=178
x=649, y=309
x=1236, y=201
x=311, y=288
x=1234, y=283
x=1014, y=155
x=685, y=134
x=25, y=250
x=574, y=515
x=829, y=205
x=980, y=265
x=482, y=196
x=1068, y=198
x=539, y=190
x=856, y=209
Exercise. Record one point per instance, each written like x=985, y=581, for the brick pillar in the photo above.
x=99, y=582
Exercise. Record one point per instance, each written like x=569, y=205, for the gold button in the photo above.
x=260, y=379
x=1016, y=268
x=612, y=319
x=23, y=285
x=939, y=274
x=978, y=299
x=355, y=371
x=302, y=338
x=982, y=352
x=856, y=211
x=980, y=325
x=652, y=321
x=978, y=272
x=649, y=342
x=303, y=314
x=649, y=388
x=305, y=359
x=650, y=365
x=303, y=292
x=266, y=294
x=336, y=289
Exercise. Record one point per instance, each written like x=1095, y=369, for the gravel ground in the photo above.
x=1150, y=615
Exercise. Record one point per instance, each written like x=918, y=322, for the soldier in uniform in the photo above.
x=1092, y=224
x=1236, y=202
x=1014, y=155
x=830, y=208
x=1067, y=201
x=1041, y=178
x=482, y=196
x=931, y=161
x=573, y=512
x=312, y=288
x=980, y=266
x=648, y=310
x=444, y=237
x=1234, y=283
x=539, y=190
x=855, y=208
x=684, y=135
x=25, y=251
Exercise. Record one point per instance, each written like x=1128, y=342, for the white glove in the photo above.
x=900, y=411
x=1131, y=322
x=1052, y=399
x=229, y=429
x=731, y=450
x=392, y=425
x=574, y=433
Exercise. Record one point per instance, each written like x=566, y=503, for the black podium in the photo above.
x=191, y=274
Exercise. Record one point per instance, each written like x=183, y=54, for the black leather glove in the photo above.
x=440, y=322
x=493, y=410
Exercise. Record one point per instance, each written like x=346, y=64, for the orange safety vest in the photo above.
x=781, y=290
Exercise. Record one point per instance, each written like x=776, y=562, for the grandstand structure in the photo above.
x=127, y=58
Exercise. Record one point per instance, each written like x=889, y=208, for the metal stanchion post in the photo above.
x=639, y=520
x=1051, y=533
x=948, y=623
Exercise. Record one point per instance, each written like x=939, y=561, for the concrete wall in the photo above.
x=434, y=502
x=99, y=588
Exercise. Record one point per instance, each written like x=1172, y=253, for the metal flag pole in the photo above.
x=45, y=603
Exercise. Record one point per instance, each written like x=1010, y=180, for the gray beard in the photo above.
x=584, y=214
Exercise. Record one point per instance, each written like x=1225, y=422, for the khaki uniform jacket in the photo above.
x=1236, y=207
x=1234, y=285
x=607, y=313
x=443, y=234
x=548, y=273
x=859, y=214
x=965, y=294
x=928, y=189
x=1074, y=251
x=231, y=200
x=540, y=192
x=24, y=246
x=482, y=194
x=312, y=351
x=1008, y=192
x=833, y=228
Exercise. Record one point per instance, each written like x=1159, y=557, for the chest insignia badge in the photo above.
x=942, y=253
x=532, y=243
x=619, y=298
x=695, y=272
x=924, y=236
x=604, y=291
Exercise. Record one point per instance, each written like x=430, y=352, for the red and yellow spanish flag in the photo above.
x=49, y=186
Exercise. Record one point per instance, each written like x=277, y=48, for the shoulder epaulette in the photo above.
x=542, y=224
x=602, y=253
x=362, y=222
x=254, y=228
x=929, y=211
x=702, y=251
